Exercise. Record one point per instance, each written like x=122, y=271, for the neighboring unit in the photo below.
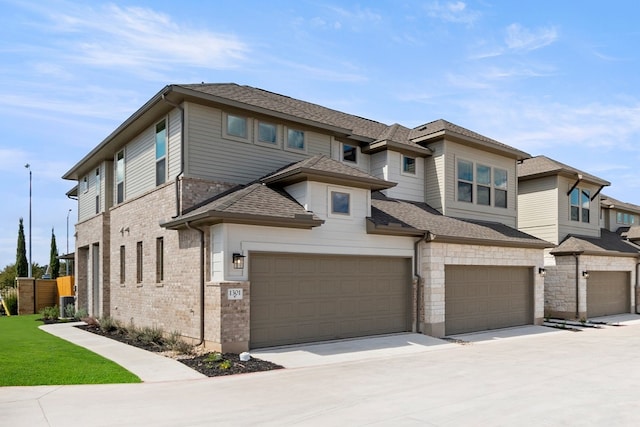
x=593, y=271
x=242, y=219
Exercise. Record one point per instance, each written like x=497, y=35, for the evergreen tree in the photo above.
x=22, y=265
x=54, y=262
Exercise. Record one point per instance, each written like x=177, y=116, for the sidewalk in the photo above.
x=148, y=366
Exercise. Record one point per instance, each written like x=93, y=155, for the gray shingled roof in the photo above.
x=608, y=244
x=608, y=201
x=406, y=216
x=544, y=166
x=630, y=233
x=324, y=169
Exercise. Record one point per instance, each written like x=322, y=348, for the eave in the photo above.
x=307, y=174
x=212, y=217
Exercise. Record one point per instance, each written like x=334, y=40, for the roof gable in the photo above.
x=540, y=166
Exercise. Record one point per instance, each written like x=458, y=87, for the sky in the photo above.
x=558, y=78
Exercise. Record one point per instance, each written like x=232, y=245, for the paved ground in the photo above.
x=522, y=376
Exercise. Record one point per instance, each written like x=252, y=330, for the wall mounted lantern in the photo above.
x=585, y=274
x=542, y=271
x=238, y=261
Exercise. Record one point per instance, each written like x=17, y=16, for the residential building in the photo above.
x=243, y=218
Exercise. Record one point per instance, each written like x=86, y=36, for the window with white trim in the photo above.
x=625, y=218
x=349, y=153
x=98, y=190
x=340, y=203
x=295, y=140
x=161, y=152
x=237, y=126
x=267, y=133
x=408, y=165
x=580, y=203
x=119, y=177
x=481, y=184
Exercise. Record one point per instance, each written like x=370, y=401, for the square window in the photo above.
x=340, y=203
x=237, y=126
x=409, y=165
x=349, y=153
x=295, y=139
x=267, y=133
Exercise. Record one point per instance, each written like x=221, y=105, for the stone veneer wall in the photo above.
x=93, y=231
x=194, y=191
x=434, y=256
x=227, y=321
x=560, y=284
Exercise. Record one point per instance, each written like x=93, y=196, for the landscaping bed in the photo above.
x=211, y=364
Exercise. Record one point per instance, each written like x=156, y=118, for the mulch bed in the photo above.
x=202, y=363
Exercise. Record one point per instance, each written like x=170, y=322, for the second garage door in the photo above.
x=478, y=298
x=608, y=292
x=303, y=298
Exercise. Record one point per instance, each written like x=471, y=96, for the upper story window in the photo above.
x=340, y=203
x=119, y=176
x=408, y=165
x=267, y=133
x=295, y=140
x=579, y=201
x=84, y=186
x=161, y=152
x=625, y=218
x=482, y=184
x=98, y=185
x=237, y=126
x=349, y=153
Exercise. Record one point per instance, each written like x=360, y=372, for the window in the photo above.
x=409, y=165
x=295, y=140
x=139, y=262
x=484, y=184
x=340, y=203
x=267, y=133
x=123, y=259
x=161, y=152
x=120, y=177
x=349, y=153
x=237, y=126
x=465, y=181
x=579, y=205
x=625, y=218
x=159, y=260
x=98, y=185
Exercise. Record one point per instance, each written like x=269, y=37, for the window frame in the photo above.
x=139, y=262
x=277, y=143
x=161, y=172
x=332, y=211
x=98, y=186
x=123, y=263
x=464, y=181
x=287, y=137
x=403, y=165
x=354, y=150
x=494, y=186
x=247, y=127
x=120, y=192
x=160, y=259
x=583, y=196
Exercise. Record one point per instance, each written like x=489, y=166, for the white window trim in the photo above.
x=350, y=162
x=330, y=213
x=286, y=140
x=256, y=134
x=225, y=134
x=474, y=185
x=124, y=176
x=166, y=149
x=415, y=164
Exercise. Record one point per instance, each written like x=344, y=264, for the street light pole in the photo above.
x=66, y=261
x=30, y=264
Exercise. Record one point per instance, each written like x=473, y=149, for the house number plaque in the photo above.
x=234, y=293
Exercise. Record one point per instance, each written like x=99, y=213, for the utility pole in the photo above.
x=30, y=263
x=66, y=261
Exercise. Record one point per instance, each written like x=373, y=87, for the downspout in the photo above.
x=418, y=277
x=577, y=258
x=637, y=285
x=201, y=280
x=179, y=107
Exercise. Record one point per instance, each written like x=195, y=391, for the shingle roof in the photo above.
x=409, y=216
x=629, y=232
x=608, y=201
x=609, y=243
x=324, y=169
x=544, y=166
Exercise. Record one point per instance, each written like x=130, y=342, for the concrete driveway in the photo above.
x=523, y=376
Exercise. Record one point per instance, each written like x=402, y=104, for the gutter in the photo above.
x=201, y=281
x=178, y=191
x=577, y=258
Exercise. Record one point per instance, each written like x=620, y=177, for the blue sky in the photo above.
x=558, y=78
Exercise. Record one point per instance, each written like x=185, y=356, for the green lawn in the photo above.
x=30, y=356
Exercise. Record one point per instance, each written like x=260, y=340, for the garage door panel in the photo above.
x=335, y=297
x=487, y=297
x=608, y=292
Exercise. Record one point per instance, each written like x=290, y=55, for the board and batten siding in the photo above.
x=565, y=225
x=212, y=157
x=410, y=187
x=454, y=208
x=537, y=208
x=435, y=177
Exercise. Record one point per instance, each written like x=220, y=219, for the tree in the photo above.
x=8, y=276
x=54, y=262
x=22, y=266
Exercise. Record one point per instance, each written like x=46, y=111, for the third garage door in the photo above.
x=478, y=298
x=608, y=292
x=302, y=298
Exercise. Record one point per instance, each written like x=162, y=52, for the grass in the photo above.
x=30, y=356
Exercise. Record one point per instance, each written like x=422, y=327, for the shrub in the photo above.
x=151, y=335
x=109, y=324
x=11, y=299
x=82, y=314
x=50, y=313
x=175, y=343
x=70, y=311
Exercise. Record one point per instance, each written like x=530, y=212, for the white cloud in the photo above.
x=519, y=38
x=455, y=12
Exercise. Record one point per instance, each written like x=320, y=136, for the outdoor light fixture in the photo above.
x=238, y=261
x=585, y=274
x=542, y=271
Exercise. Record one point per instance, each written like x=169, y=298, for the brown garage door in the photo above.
x=478, y=298
x=303, y=298
x=608, y=292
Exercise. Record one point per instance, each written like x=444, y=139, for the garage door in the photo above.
x=478, y=298
x=608, y=292
x=303, y=298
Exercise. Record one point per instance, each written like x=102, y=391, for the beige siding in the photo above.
x=537, y=208
x=566, y=226
x=472, y=210
x=175, y=141
x=139, y=163
x=363, y=161
x=410, y=187
x=212, y=157
x=380, y=165
x=435, y=177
